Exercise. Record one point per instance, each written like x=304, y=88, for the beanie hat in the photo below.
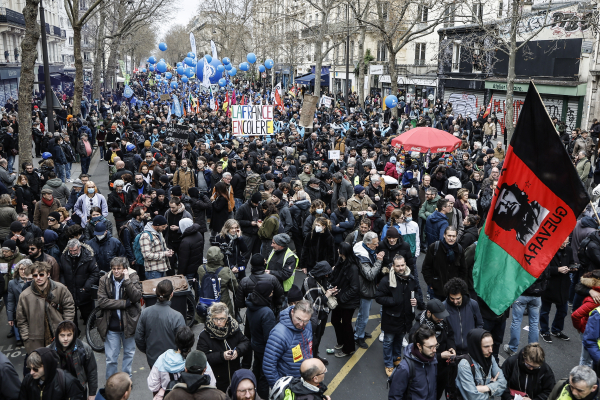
x=258, y=262
x=278, y=193
x=392, y=233
x=358, y=189
x=11, y=244
x=256, y=198
x=147, y=143
x=193, y=192
x=16, y=226
x=55, y=215
x=294, y=294
x=479, y=162
x=164, y=179
x=49, y=236
x=195, y=362
x=159, y=220
x=282, y=239
x=489, y=151
x=176, y=190
x=160, y=192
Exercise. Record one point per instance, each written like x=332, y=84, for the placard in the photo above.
x=327, y=101
x=334, y=154
x=178, y=134
x=309, y=106
x=252, y=120
x=165, y=97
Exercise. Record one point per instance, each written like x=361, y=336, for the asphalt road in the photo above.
x=357, y=377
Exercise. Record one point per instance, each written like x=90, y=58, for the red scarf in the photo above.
x=48, y=202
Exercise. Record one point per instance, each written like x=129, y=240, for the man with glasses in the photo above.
x=310, y=385
x=119, y=294
x=44, y=303
x=290, y=343
x=36, y=254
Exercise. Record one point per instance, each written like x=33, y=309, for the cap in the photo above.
x=159, y=220
x=77, y=183
x=47, y=191
x=100, y=228
x=195, y=361
x=450, y=197
x=358, y=189
x=294, y=294
x=437, y=308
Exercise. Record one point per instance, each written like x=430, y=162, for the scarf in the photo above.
x=221, y=333
x=372, y=253
x=450, y=254
x=393, y=275
x=420, y=356
x=437, y=328
x=66, y=358
x=48, y=202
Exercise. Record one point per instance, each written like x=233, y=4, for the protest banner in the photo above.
x=327, y=101
x=178, y=134
x=334, y=154
x=252, y=120
x=165, y=97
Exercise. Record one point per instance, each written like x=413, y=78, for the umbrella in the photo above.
x=427, y=139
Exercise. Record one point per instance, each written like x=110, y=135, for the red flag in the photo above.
x=488, y=110
x=233, y=98
x=227, y=100
x=278, y=101
x=243, y=101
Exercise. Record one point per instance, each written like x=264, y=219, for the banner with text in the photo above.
x=252, y=120
x=178, y=134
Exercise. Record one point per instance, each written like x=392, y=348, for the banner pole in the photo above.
x=595, y=213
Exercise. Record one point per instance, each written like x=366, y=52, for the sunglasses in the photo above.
x=41, y=275
x=35, y=369
x=51, y=219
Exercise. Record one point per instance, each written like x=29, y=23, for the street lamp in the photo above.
x=49, y=105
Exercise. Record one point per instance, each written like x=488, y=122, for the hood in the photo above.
x=214, y=257
x=360, y=250
x=590, y=281
x=191, y=230
x=170, y=361
x=589, y=222
x=192, y=382
x=303, y=204
x=454, y=183
x=387, y=244
x=84, y=247
x=185, y=223
x=437, y=217
x=434, y=201
x=285, y=319
x=49, y=361
x=237, y=377
x=321, y=269
x=150, y=227
x=56, y=182
x=298, y=387
x=410, y=355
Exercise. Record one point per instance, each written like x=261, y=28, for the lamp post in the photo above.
x=347, y=58
x=49, y=105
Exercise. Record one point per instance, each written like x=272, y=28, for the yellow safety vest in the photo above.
x=564, y=394
x=287, y=284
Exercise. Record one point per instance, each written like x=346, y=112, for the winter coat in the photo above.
x=199, y=207
x=540, y=382
x=11, y=383
x=15, y=288
x=372, y=191
x=466, y=382
x=428, y=208
x=214, y=261
x=437, y=270
x=344, y=189
x=463, y=319
x=423, y=382
x=435, y=226
x=356, y=204
x=317, y=247
x=189, y=258
x=557, y=291
x=128, y=303
x=59, y=190
x=118, y=207
x=238, y=184
x=244, y=217
x=105, y=250
x=155, y=331
x=307, y=227
x=401, y=247
x=248, y=283
x=214, y=347
x=7, y=216
x=582, y=313
x=40, y=215
x=346, y=279
x=470, y=236
x=397, y=312
x=261, y=320
x=269, y=227
x=346, y=225
x=83, y=360
x=299, y=212
x=592, y=252
x=390, y=170
x=88, y=231
x=237, y=247
x=79, y=274
x=220, y=213
x=583, y=228
x=29, y=309
x=191, y=387
x=185, y=179
x=57, y=153
x=592, y=334
x=286, y=348
x=368, y=271
x=285, y=217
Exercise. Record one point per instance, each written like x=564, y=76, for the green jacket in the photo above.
x=214, y=260
x=428, y=207
x=269, y=228
x=583, y=169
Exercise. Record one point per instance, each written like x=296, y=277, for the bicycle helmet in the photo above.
x=130, y=147
x=46, y=155
x=278, y=391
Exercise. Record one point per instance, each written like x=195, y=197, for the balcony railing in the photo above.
x=10, y=16
x=63, y=33
x=418, y=68
x=56, y=31
x=47, y=28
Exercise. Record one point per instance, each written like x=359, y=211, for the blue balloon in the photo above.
x=220, y=70
x=244, y=66
x=162, y=46
x=143, y=70
x=189, y=72
x=391, y=101
x=251, y=57
x=212, y=66
x=168, y=75
x=184, y=79
x=174, y=85
x=232, y=71
x=208, y=58
x=261, y=68
x=179, y=64
x=222, y=82
x=228, y=66
x=226, y=60
x=162, y=59
x=180, y=70
x=161, y=66
x=188, y=61
x=269, y=63
x=151, y=68
x=152, y=60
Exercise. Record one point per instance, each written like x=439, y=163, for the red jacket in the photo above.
x=390, y=170
x=581, y=315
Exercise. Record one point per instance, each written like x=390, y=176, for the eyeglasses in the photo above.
x=219, y=319
x=249, y=391
x=41, y=275
x=301, y=321
x=35, y=369
x=322, y=373
x=529, y=366
x=51, y=219
x=435, y=346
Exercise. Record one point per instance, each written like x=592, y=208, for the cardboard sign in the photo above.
x=165, y=97
x=334, y=154
x=327, y=101
x=309, y=106
x=178, y=134
x=252, y=120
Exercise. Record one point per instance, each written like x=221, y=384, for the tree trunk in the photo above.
x=28, y=56
x=111, y=68
x=510, y=78
x=393, y=76
x=361, y=64
x=78, y=85
x=97, y=54
x=318, y=65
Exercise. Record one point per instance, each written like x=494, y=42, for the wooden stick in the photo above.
x=594, y=209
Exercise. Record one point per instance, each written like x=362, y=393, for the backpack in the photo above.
x=252, y=182
x=582, y=251
x=172, y=382
x=209, y=292
x=137, y=250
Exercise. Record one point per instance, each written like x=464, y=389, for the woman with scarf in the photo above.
x=97, y=217
x=76, y=357
x=90, y=198
x=223, y=343
x=489, y=380
x=233, y=247
x=528, y=374
x=22, y=280
x=171, y=363
x=318, y=245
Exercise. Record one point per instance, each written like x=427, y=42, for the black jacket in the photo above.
x=260, y=319
x=444, y=334
x=437, y=270
x=220, y=213
x=557, y=291
x=133, y=193
x=397, y=312
x=117, y=207
x=199, y=207
x=79, y=274
x=470, y=236
x=345, y=278
x=540, y=382
x=317, y=247
x=248, y=283
x=233, y=250
x=238, y=184
x=244, y=218
x=401, y=247
x=190, y=258
x=9, y=378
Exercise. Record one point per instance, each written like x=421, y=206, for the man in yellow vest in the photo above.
x=282, y=261
x=582, y=384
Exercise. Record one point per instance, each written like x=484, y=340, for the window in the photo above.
x=477, y=12
x=87, y=56
x=70, y=40
x=419, y=53
x=449, y=15
x=422, y=12
x=500, y=7
x=382, y=7
x=381, y=51
x=477, y=59
x=351, y=52
x=455, y=57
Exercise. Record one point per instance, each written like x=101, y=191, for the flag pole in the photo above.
x=595, y=213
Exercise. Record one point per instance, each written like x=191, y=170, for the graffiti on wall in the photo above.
x=465, y=104
x=558, y=23
x=554, y=106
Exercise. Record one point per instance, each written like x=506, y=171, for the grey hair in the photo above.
x=412, y=191
x=431, y=190
x=218, y=308
x=226, y=174
x=119, y=182
x=477, y=145
x=583, y=373
x=119, y=262
x=398, y=257
x=495, y=159
x=73, y=243
x=375, y=178
x=369, y=236
x=3, y=161
x=304, y=306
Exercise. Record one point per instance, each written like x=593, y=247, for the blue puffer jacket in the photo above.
x=435, y=226
x=285, y=341
x=422, y=382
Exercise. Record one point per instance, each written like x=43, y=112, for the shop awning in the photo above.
x=310, y=79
